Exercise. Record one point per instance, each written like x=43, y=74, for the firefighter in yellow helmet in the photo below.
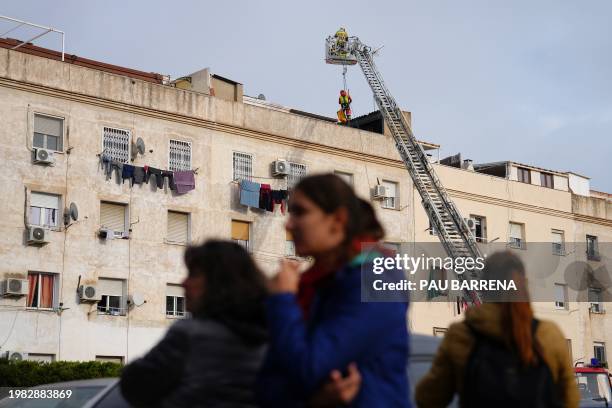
x=341, y=38
x=345, y=106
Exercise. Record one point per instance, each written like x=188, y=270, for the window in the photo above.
x=243, y=166
x=112, y=297
x=179, y=155
x=516, y=239
x=289, y=244
x=599, y=351
x=558, y=242
x=595, y=299
x=44, y=209
x=48, y=132
x=348, y=177
x=592, y=249
x=546, y=180
x=439, y=331
x=240, y=233
x=175, y=301
x=41, y=290
x=390, y=200
x=296, y=173
x=561, y=296
x=110, y=359
x=480, y=228
x=44, y=358
x=114, y=217
x=116, y=144
x=524, y=175
x=178, y=227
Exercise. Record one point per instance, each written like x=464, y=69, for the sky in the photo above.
x=527, y=81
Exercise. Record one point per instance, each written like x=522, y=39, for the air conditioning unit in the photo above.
x=280, y=168
x=106, y=234
x=89, y=293
x=15, y=355
x=43, y=156
x=380, y=192
x=14, y=287
x=471, y=223
x=37, y=235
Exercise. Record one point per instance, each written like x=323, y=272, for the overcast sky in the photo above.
x=528, y=81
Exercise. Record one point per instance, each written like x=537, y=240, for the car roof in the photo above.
x=94, y=382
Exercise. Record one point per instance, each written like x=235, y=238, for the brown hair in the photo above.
x=517, y=314
x=330, y=193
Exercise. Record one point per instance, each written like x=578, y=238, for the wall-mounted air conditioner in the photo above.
x=380, y=192
x=280, y=168
x=14, y=287
x=37, y=235
x=89, y=293
x=15, y=355
x=43, y=156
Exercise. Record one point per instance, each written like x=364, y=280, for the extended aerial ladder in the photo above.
x=451, y=227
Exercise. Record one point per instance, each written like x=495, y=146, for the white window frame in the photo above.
x=249, y=160
x=60, y=141
x=176, y=144
x=596, y=306
x=297, y=171
x=115, y=153
x=126, y=219
x=43, y=211
x=176, y=314
x=390, y=202
x=558, y=249
x=54, y=301
x=563, y=304
x=514, y=242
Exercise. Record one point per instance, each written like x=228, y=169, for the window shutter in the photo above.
x=515, y=231
x=240, y=230
x=111, y=287
x=175, y=290
x=560, y=293
x=44, y=200
x=391, y=188
x=112, y=216
x=178, y=227
x=47, y=125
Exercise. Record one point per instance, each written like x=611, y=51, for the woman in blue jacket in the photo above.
x=318, y=322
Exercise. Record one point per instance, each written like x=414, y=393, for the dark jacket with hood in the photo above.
x=199, y=363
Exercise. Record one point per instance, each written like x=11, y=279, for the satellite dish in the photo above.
x=140, y=145
x=137, y=299
x=73, y=211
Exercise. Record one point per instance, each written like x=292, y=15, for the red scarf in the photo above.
x=318, y=277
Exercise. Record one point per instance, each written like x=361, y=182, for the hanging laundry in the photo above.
x=127, y=173
x=249, y=193
x=139, y=175
x=157, y=174
x=279, y=197
x=170, y=176
x=184, y=181
x=265, y=197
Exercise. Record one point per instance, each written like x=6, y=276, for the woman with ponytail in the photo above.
x=321, y=332
x=500, y=355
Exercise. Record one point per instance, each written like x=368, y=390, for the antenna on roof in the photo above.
x=22, y=23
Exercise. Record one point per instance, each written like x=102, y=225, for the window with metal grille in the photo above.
x=179, y=155
x=517, y=238
x=116, y=144
x=178, y=227
x=243, y=166
x=592, y=249
x=296, y=173
x=595, y=300
x=48, y=132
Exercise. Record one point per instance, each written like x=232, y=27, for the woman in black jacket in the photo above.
x=211, y=359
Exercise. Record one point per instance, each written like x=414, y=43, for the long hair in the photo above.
x=518, y=314
x=235, y=289
x=330, y=193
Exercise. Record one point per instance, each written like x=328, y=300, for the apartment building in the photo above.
x=125, y=241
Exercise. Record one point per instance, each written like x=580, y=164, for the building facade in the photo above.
x=80, y=114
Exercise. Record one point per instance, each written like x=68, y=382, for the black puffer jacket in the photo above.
x=199, y=363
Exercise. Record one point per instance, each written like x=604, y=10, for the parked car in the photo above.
x=95, y=393
x=595, y=385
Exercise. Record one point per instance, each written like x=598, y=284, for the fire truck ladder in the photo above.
x=453, y=231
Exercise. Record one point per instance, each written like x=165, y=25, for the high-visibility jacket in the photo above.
x=344, y=100
x=341, y=34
